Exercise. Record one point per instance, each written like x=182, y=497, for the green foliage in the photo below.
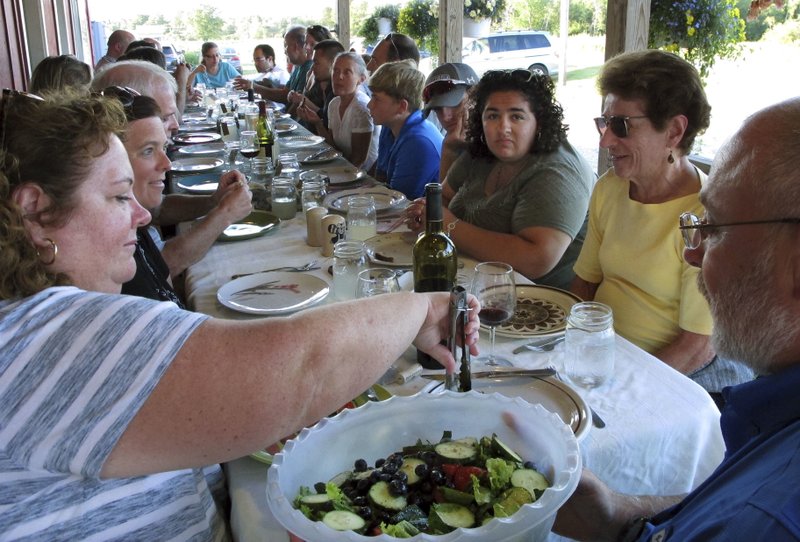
x=535, y=15
x=206, y=24
x=369, y=27
x=767, y=18
x=788, y=32
x=192, y=57
x=420, y=20
x=700, y=31
x=484, y=9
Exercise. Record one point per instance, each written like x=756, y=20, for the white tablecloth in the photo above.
x=662, y=430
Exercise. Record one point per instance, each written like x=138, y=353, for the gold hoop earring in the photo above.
x=670, y=158
x=54, y=247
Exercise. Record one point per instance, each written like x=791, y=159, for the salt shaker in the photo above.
x=348, y=262
x=589, y=344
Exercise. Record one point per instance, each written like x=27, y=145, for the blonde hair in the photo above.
x=36, y=151
x=400, y=80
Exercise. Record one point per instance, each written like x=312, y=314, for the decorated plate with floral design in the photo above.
x=541, y=310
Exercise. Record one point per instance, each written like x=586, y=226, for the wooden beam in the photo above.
x=343, y=22
x=451, y=30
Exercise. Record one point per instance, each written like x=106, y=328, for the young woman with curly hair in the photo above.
x=521, y=192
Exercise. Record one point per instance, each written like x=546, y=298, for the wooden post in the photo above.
x=451, y=25
x=343, y=22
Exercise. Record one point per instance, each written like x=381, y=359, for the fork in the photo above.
x=310, y=266
x=544, y=346
x=597, y=421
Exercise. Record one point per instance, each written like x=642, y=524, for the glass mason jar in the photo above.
x=348, y=261
x=284, y=198
x=589, y=344
x=362, y=222
x=313, y=193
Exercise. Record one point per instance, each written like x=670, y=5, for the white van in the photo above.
x=527, y=49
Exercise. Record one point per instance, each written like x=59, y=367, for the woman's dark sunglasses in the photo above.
x=8, y=95
x=519, y=74
x=616, y=123
x=441, y=86
x=125, y=95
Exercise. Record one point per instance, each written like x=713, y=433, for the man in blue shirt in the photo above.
x=409, y=147
x=748, y=248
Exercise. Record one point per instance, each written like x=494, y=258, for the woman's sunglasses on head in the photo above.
x=616, y=123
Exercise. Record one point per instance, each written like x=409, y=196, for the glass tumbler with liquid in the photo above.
x=362, y=222
x=348, y=262
x=313, y=193
x=284, y=198
x=589, y=344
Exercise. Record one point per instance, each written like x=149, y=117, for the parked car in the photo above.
x=172, y=55
x=230, y=55
x=529, y=49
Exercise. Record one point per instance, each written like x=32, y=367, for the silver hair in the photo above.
x=140, y=75
x=358, y=60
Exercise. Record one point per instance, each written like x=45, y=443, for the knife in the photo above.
x=536, y=373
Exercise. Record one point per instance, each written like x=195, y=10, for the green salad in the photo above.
x=426, y=488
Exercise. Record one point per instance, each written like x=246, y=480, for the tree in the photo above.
x=206, y=24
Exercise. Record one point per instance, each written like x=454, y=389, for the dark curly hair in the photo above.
x=540, y=93
x=666, y=84
x=52, y=144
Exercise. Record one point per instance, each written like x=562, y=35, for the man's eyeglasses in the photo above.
x=8, y=95
x=441, y=86
x=618, y=124
x=695, y=230
x=518, y=73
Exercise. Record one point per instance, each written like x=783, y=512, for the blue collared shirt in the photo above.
x=755, y=492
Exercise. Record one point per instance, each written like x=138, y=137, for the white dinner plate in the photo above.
x=299, y=142
x=541, y=311
x=341, y=174
x=196, y=139
x=273, y=293
x=195, y=116
x=285, y=127
x=197, y=126
x=202, y=150
x=198, y=184
x=391, y=249
x=255, y=224
x=195, y=165
x=385, y=199
x=553, y=394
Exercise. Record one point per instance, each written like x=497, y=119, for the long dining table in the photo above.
x=661, y=433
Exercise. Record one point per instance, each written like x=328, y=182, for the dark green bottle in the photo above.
x=435, y=257
x=264, y=130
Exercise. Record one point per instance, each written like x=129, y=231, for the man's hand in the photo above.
x=436, y=329
x=228, y=181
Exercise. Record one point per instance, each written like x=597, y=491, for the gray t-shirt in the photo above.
x=75, y=368
x=551, y=191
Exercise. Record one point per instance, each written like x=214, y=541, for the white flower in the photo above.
x=468, y=3
x=473, y=13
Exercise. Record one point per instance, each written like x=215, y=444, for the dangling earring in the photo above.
x=670, y=158
x=54, y=246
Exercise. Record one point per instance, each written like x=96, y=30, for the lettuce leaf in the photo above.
x=500, y=472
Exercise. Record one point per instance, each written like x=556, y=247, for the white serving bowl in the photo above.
x=377, y=429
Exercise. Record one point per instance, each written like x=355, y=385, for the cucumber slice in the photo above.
x=342, y=520
x=510, y=501
x=456, y=496
x=458, y=451
x=318, y=501
x=341, y=478
x=380, y=496
x=446, y=516
x=531, y=480
x=409, y=467
x=504, y=451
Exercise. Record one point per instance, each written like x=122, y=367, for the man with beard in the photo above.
x=748, y=249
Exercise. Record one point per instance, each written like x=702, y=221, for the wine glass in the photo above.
x=376, y=281
x=248, y=146
x=493, y=285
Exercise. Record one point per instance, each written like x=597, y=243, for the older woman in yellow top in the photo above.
x=654, y=106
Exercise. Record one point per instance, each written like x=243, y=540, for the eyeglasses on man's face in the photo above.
x=695, y=230
x=617, y=123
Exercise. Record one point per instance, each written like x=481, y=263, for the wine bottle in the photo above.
x=264, y=130
x=434, y=256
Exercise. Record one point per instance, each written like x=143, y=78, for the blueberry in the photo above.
x=379, y=462
x=365, y=512
x=319, y=487
x=360, y=465
x=422, y=470
x=397, y=488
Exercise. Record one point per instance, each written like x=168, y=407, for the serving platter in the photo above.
x=253, y=225
x=385, y=199
x=299, y=142
x=380, y=393
x=553, y=394
x=345, y=174
x=391, y=249
x=196, y=138
x=273, y=293
x=194, y=165
x=285, y=127
x=541, y=311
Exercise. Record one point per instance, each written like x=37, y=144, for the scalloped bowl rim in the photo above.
x=539, y=514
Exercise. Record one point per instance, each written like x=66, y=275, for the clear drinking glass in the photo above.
x=284, y=198
x=362, y=222
x=589, y=344
x=376, y=281
x=289, y=166
x=313, y=193
x=493, y=285
x=249, y=147
x=348, y=261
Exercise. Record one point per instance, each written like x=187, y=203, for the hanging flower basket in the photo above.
x=476, y=28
